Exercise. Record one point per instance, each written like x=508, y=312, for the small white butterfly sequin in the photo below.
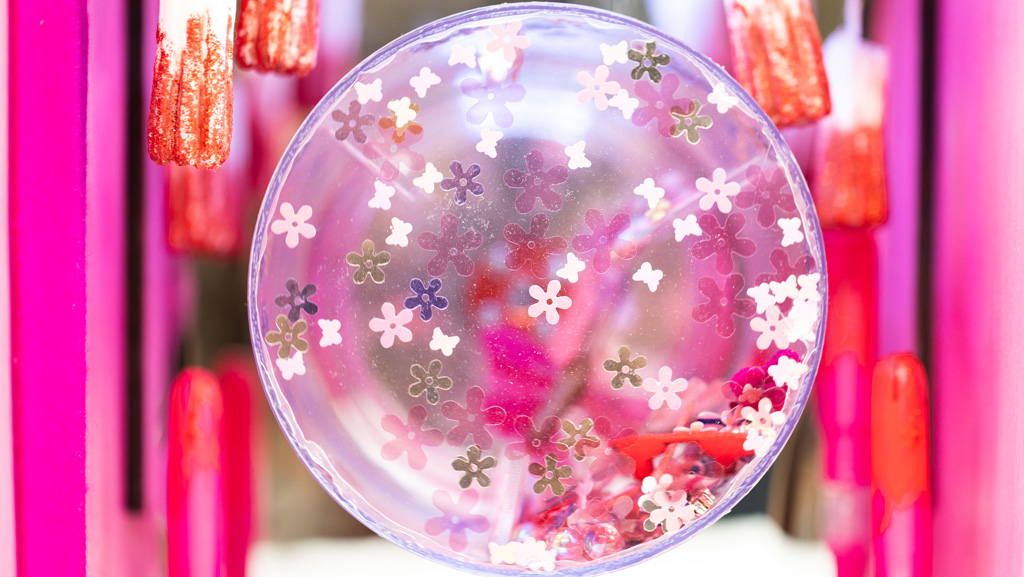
x=422, y=82
x=489, y=142
x=382, y=194
x=577, y=158
x=763, y=297
x=399, y=232
x=687, y=227
x=404, y=113
x=442, y=342
x=291, y=366
x=572, y=269
x=463, y=55
x=649, y=275
x=785, y=290
x=431, y=177
x=650, y=192
x=368, y=92
x=722, y=99
x=615, y=54
x=329, y=332
x=623, y=102
x=791, y=233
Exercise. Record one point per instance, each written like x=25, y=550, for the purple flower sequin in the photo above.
x=783, y=270
x=462, y=181
x=426, y=298
x=660, y=103
x=352, y=123
x=532, y=247
x=297, y=300
x=410, y=438
x=767, y=193
x=604, y=239
x=536, y=442
x=722, y=241
x=450, y=247
x=723, y=303
x=491, y=99
x=456, y=518
x=536, y=183
x=393, y=155
x=472, y=419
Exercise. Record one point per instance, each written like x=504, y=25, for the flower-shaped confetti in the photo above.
x=508, y=40
x=665, y=390
x=689, y=121
x=722, y=241
x=609, y=460
x=410, y=437
x=288, y=336
x=659, y=104
x=395, y=151
x=426, y=298
x=352, y=123
x=392, y=326
x=368, y=263
x=717, y=191
x=550, y=474
x=579, y=438
x=750, y=385
x=596, y=87
x=474, y=465
x=548, y=302
x=429, y=381
x=535, y=555
x=450, y=247
x=532, y=247
x=648, y=62
x=723, y=303
x=536, y=183
x=764, y=418
x=773, y=328
x=670, y=509
x=536, y=442
x=462, y=181
x=456, y=518
x=767, y=193
x=297, y=300
x=398, y=128
x=329, y=332
x=625, y=369
x=491, y=100
x=604, y=239
x=293, y=224
x=783, y=269
x=787, y=370
x=472, y=419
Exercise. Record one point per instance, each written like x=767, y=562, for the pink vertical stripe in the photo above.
x=978, y=309
x=47, y=220
x=8, y=551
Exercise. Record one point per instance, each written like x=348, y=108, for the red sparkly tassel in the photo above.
x=204, y=212
x=190, y=107
x=776, y=55
x=849, y=181
x=278, y=35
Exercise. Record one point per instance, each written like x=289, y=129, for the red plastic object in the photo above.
x=901, y=482
x=725, y=448
x=776, y=56
x=278, y=35
x=195, y=482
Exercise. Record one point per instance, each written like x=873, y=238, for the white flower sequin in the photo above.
x=548, y=302
x=763, y=418
x=665, y=390
x=763, y=297
x=773, y=328
x=392, y=326
x=717, y=191
x=787, y=372
x=293, y=224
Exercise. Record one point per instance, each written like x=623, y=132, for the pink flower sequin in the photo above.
x=410, y=437
x=472, y=418
x=532, y=247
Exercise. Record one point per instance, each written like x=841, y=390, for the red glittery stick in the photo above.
x=190, y=106
x=776, y=52
x=278, y=35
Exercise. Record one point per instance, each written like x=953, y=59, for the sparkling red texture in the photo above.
x=776, y=53
x=849, y=188
x=190, y=107
x=204, y=212
x=278, y=35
